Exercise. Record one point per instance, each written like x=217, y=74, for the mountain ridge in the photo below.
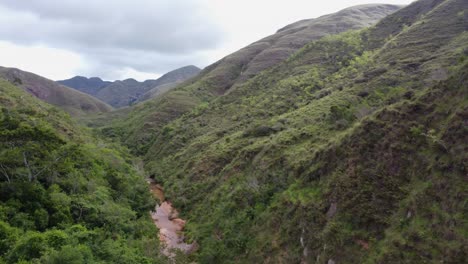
x=122, y=93
x=87, y=85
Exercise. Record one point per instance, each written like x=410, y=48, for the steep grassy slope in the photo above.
x=147, y=119
x=353, y=150
x=391, y=190
x=65, y=196
x=73, y=102
x=129, y=91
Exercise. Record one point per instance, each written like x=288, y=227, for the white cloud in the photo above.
x=45, y=61
x=115, y=38
x=142, y=35
x=127, y=73
x=246, y=21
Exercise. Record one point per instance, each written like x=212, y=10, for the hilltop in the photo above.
x=90, y=86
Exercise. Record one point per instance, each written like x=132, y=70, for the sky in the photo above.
x=141, y=39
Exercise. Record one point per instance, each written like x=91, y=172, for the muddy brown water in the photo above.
x=165, y=217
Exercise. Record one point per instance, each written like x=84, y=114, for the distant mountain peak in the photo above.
x=129, y=80
x=121, y=93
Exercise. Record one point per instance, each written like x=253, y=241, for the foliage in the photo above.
x=353, y=150
x=67, y=197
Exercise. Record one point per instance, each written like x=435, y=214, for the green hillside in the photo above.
x=221, y=77
x=340, y=139
x=353, y=150
x=66, y=196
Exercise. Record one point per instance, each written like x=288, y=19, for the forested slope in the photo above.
x=65, y=195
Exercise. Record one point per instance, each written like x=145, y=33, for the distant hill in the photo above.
x=86, y=85
x=123, y=93
x=170, y=80
x=177, y=75
x=70, y=100
x=126, y=92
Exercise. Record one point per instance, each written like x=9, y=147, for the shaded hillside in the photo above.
x=353, y=150
x=127, y=92
x=169, y=81
x=177, y=75
x=86, y=85
x=216, y=79
x=123, y=93
x=65, y=196
x=73, y=102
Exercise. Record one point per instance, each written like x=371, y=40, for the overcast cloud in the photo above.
x=117, y=39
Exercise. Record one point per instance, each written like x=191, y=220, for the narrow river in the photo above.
x=171, y=227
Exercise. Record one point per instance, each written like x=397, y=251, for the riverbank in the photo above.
x=170, y=226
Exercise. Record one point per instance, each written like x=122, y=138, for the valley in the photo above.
x=338, y=139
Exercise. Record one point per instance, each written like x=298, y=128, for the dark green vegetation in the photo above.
x=353, y=150
x=128, y=92
x=66, y=196
x=73, y=102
